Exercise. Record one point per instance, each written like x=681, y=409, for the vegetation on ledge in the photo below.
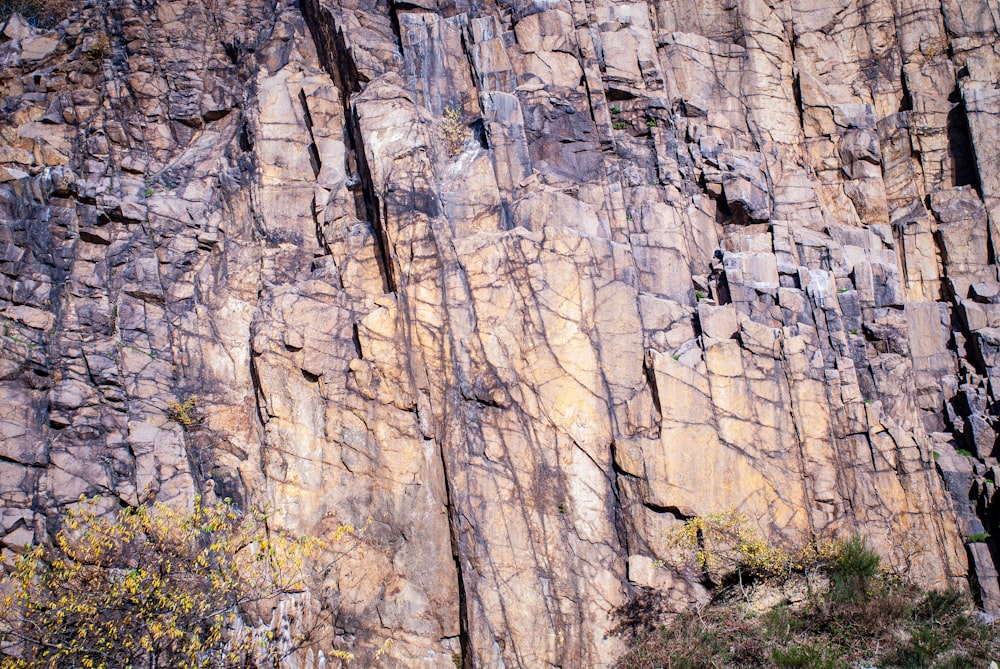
x=39, y=13
x=853, y=614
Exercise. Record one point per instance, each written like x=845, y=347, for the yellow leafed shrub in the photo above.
x=155, y=587
x=453, y=130
x=184, y=412
x=720, y=544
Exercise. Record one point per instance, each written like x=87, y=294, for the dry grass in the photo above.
x=864, y=618
x=39, y=13
x=895, y=626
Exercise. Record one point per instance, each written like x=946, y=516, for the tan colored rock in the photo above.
x=37, y=47
x=670, y=266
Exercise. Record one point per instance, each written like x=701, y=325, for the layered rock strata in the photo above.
x=514, y=286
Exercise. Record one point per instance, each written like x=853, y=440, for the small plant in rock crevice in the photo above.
x=936, y=47
x=98, y=49
x=453, y=130
x=184, y=412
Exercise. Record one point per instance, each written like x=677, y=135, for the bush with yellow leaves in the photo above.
x=156, y=588
x=184, y=412
x=721, y=545
x=453, y=130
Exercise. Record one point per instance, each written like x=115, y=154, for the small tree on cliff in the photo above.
x=154, y=588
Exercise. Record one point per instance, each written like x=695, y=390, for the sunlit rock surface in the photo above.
x=679, y=257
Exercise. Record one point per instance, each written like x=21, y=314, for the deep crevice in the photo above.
x=356, y=340
x=453, y=534
x=371, y=204
x=650, y=374
x=961, y=149
x=397, y=31
x=797, y=96
x=619, y=95
x=314, y=159
x=337, y=60
x=672, y=510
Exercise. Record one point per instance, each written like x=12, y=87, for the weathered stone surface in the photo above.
x=524, y=284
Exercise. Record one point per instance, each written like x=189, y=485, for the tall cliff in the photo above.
x=525, y=283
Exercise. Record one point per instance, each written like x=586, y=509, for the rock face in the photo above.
x=515, y=286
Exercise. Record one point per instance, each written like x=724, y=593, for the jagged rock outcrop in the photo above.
x=675, y=258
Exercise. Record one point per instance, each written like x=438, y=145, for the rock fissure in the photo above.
x=682, y=258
